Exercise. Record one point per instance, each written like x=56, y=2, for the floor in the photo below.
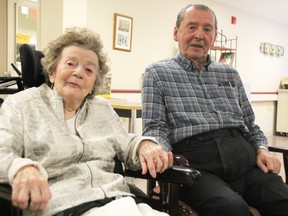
x=272, y=140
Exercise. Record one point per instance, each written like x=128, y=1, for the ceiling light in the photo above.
x=24, y=10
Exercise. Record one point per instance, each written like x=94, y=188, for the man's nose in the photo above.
x=199, y=33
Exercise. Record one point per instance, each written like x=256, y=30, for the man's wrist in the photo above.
x=262, y=147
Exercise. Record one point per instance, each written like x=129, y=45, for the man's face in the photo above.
x=196, y=34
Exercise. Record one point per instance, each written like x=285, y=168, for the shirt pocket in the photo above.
x=225, y=99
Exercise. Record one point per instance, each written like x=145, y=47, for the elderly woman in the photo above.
x=58, y=141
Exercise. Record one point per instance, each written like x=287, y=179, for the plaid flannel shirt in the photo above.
x=180, y=101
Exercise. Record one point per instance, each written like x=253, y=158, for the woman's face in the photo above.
x=75, y=73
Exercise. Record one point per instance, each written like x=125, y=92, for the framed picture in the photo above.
x=279, y=50
x=105, y=89
x=267, y=48
x=227, y=57
x=122, y=38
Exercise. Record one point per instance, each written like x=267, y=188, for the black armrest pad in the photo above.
x=176, y=174
x=278, y=149
x=5, y=191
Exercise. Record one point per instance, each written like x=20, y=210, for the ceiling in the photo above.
x=276, y=10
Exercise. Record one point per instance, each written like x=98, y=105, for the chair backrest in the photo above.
x=1, y=101
x=32, y=70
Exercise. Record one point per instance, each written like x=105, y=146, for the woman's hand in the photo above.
x=30, y=190
x=154, y=158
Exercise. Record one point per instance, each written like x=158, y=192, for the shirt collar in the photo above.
x=187, y=63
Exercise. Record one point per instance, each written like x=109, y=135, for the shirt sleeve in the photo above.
x=153, y=109
x=255, y=135
x=125, y=144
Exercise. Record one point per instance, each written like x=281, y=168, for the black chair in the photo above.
x=172, y=178
x=31, y=67
x=7, y=83
x=31, y=71
x=31, y=74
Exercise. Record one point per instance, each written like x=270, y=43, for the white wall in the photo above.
x=153, y=23
x=265, y=115
x=152, y=40
x=51, y=21
x=3, y=37
x=76, y=15
x=152, y=36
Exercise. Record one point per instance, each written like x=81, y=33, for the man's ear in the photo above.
x=216, y=35
x=175, y=33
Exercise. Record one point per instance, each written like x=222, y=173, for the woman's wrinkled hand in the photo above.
x=30, y=190
x=154, y=158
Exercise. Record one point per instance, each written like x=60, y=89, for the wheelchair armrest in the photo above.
x=278, y=149
x=180, y=173
x=5, y=191
x=176, y=174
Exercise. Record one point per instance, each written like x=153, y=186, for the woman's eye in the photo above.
x=71, y=63
x=90, y=69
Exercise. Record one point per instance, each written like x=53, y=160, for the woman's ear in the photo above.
x=52, y=77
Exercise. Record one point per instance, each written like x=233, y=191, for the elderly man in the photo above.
x=198, y=108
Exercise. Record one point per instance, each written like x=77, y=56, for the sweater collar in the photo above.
x=55, y=99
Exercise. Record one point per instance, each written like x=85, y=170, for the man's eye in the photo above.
x=207, y=29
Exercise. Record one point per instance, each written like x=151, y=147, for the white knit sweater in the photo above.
x=79, y=168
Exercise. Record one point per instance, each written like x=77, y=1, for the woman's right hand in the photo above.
x=30, y=190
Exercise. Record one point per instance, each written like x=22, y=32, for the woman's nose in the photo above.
x=78, y=71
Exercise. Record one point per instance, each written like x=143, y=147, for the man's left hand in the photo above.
x=267, y=162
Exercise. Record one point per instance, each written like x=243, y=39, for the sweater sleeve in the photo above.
x=126, y=144
x=11, y=142
x=19, y=163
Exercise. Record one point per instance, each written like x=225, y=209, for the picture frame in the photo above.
x=105, y=89
x=227, y=57
x=122, y=35
x=279, y=50
x=267, y=48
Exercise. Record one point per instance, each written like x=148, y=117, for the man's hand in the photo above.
x=267, y=162
x=30, y=190
x=154, y=158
